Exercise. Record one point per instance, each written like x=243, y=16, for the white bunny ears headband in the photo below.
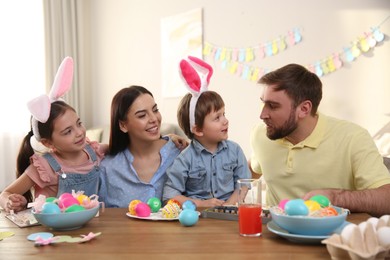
x=197, y=82
x=40, y=106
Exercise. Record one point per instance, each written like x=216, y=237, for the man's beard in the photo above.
x=288, y=127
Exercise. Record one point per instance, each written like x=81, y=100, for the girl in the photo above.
x=72, y=162
x=138, y=155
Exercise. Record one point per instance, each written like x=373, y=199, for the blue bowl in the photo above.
x=308, y=225
x=66, y=221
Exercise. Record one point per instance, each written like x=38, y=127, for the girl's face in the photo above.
x=68, y=133
x=143, y=119
x=215, y=126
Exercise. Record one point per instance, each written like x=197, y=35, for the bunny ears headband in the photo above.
x=40, y=106
x=196, y=74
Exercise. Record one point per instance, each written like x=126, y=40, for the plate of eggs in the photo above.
x=173, y=210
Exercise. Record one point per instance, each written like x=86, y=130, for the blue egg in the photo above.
x=189, y=204
x=188, y=217
x=296, y=207
x=50, y=208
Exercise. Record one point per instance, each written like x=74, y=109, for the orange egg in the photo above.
x=329, y=211
x=132, y=205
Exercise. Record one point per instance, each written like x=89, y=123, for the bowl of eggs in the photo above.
x=313, y=217
x=68, y=212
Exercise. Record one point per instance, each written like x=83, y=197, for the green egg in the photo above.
x=154, y=204
x=321, y=199
x=74, y=208
x=50, y=199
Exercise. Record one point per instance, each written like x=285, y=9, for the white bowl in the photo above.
x=66, y=221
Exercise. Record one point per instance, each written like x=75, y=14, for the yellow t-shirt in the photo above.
x=337, y=154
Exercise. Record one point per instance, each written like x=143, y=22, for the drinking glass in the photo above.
x=249, y=207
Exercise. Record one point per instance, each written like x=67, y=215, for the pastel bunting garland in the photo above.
x=236, y=60
x=250, y=53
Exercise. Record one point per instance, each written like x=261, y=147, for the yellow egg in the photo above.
x=81, y=198
x=312, y=205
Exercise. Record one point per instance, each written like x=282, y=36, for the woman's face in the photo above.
x=143, y=119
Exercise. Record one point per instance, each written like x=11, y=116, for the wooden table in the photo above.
x=127, y=238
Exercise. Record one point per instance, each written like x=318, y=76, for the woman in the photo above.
x=138, y=156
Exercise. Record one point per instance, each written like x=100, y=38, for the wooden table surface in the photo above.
x=127, y=238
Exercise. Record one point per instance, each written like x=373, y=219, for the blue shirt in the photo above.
x=199, y=174
x=119, y=182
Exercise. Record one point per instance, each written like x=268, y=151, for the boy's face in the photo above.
x=215, y=126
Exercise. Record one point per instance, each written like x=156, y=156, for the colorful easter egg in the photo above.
x=154, y=204
x=83, y=199
x=142, y=210
x=189, y=204
x=50, y=208
x=132, y=205
x=282, y=203
x=321, y=199
x=296, y=207
x=67, y=202
x=188, y=217
x=312, y=205
x=74, y=208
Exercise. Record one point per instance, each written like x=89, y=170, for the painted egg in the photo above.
x=154, y=204
x=282, y=203
x=50, y=208
x=189, y=204
x=321, y=199
x=50, y=199
x=312, y=205
x=65, y=195
x=74, y=208
x=83, y=199
x=188, y=217
x=173, y=201
x=329, y=211
x=132, y=205
x=142, y=210
x=296, y=207
x=67, y=202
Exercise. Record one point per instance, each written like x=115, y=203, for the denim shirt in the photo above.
x=199, y=174
x=119, y=182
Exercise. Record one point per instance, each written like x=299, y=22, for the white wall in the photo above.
x=125, y=50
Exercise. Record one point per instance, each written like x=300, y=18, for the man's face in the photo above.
x=278, y=113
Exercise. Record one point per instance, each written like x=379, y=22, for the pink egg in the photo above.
x=65, y=195
x=68, y=201
x=142, y=209
x=282, y=203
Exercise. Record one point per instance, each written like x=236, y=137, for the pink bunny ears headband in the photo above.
x=196, y=74
x=40, y=106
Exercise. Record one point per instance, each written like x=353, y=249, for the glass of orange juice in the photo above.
x=249, y=207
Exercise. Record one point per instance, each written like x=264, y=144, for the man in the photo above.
x=301, y=152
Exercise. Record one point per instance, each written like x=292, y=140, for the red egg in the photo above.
x=142, y=210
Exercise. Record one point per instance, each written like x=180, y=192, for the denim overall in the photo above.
x=75, y=181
